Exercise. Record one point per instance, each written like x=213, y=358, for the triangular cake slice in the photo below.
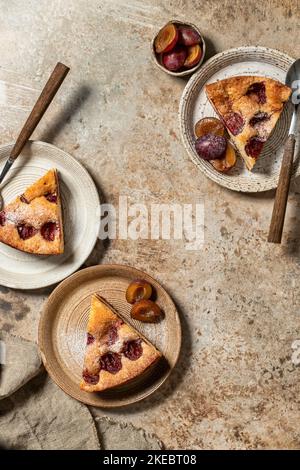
x=115, y=351
x=33, y=221
x=249, y=107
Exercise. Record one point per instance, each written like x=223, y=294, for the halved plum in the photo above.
x=209, y=125
x=174, y=59
x=188, y=36
x=194, y=54
x=225, y=164
x=146, y=311
x=166, y=39
x=138, y=290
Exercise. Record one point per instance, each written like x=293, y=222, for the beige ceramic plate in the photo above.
x=81, y=216
x=62, y=332
x=194, y=105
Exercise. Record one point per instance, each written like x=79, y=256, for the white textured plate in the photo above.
x=80, y=202
x=194, y=105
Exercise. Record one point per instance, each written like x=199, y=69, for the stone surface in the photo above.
x=235, y=385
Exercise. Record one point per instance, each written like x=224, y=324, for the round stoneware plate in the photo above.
x=80, y=202
x=194, y=105
x=62, y=332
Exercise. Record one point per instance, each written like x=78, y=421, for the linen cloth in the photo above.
x=36, y=414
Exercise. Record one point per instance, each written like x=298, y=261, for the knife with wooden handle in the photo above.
x=282, y=192
x=49, y=91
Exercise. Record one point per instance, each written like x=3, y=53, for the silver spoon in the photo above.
x=49, y=91
x=279, y=208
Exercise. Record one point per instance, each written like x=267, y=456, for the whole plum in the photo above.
x=210, y=146
x=174, y=59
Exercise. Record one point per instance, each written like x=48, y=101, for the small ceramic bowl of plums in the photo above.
x=178, y=48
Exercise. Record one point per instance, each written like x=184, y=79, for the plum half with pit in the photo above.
x=209, y=125
x=146, y=311
x=211, y=147
x=174, y=60
x=138, y=290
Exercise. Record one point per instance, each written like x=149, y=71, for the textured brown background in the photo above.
x=235, y=385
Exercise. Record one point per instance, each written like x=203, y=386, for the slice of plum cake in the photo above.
x=33, y=221
x=249, y=107
x=115, y=352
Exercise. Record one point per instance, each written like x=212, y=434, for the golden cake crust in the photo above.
x=33, y=209
x=102, y=319
x=237, y=95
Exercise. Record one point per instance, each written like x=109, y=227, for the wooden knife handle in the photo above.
x=279, y=208
x=55, y=80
